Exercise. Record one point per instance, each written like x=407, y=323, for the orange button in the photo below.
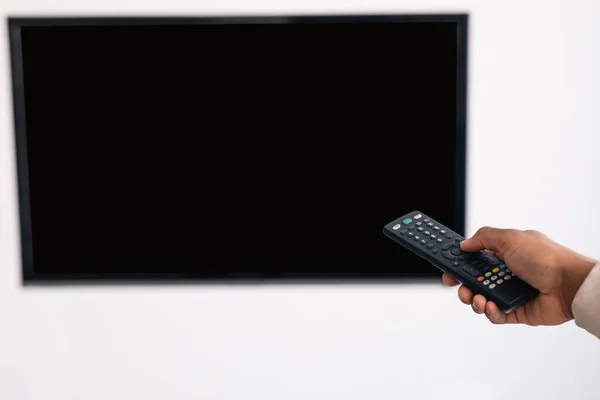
x=480, y=279
x=495, y=270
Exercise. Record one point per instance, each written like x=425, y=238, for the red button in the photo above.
x=480, y=279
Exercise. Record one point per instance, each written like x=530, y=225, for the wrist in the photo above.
x=574, y=272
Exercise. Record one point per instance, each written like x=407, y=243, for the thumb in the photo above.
x=487, y=238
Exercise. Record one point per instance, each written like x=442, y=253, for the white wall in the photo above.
x=533, y=143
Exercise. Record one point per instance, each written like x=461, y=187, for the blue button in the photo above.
x=503, y=266
x=407, y=221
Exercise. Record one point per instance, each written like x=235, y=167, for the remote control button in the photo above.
x=448, y=255
x=479, y=278
x=437, y=228
x=500, y=281
x=446, y=246
x=486, y=282
x=435, y=251
x=443, y=232
x=501, y=273
x=423, y=241
x=458, y=239
x=512, y=274
x=503, y=266
x=439, y=240
x=433, y=236
x=495, y=270
x=420, y=229
x=426, y=233
x=456, y=251
x=430, y=246
x=396, y=227
x=474, y=271
x=419, y=223
x=417, y=238
x=411, y=234
x=449, y=236
x=407, y=221
x=418, y=216
x=494, y=278
x=507, y=277
x=481, y=260
x=455, y=263
x=477, y=260
x=403, y=232
x=488, y=274
x=426, y=220
x=489, y=258
x=493, y=285
x=412, y=227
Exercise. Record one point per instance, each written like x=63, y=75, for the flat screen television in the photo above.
x=233, y=148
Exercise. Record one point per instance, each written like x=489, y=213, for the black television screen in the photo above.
x=235, y=147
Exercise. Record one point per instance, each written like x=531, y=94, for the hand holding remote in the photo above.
x=556, y=271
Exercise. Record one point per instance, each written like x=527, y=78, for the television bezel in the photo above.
x=29, y=276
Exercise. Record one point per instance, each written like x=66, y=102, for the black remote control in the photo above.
x=480, y=271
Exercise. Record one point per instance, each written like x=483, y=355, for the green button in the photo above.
x=488, y=274
x=407, y=221
x=503, y=266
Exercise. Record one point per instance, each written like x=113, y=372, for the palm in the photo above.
x=547, y=308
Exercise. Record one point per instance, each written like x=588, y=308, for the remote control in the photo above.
x=480, y=271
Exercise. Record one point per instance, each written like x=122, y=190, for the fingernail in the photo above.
x=474, y=307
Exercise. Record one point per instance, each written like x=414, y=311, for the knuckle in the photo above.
x=484, y=230
x=511, y=235
x=509, y=239
x=536, y=234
